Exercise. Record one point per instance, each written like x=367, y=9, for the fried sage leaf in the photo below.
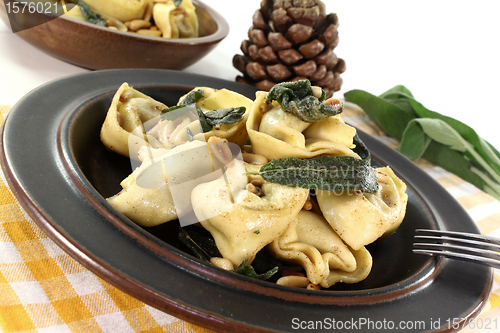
x=361, y=149
x=208, y=118
x=215, y=118
x=192, y=97
x=328, y=173
x=297, y=98
x=203, y=246
x=89, y=14
x=249, y=271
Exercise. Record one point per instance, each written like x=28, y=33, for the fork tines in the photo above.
x=458, y=245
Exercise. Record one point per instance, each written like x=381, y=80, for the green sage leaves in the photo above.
x=203, y=246
x=297, y=98
x=329, y=173
x=192, y=97
x=441, y=140
x=215, y=118
x=89, y=14
x=249, y=271
x=208, y=118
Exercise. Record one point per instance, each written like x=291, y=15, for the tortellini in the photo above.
x=311, y=243
x=176, y=22
x=147, y=197
x=199, y=176
x=240, y=221
x=164, y=150
x=361, y=218
x=156, y=18
x=277, y=134
x=128, y=112
x=134, y=120
x=169, y=133
x=123, y=10
x=221, y=99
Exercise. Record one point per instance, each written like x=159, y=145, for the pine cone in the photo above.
x=291, y=40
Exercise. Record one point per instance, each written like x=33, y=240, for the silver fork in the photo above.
x=459, y=245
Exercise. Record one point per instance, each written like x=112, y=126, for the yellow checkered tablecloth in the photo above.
x=43, y=289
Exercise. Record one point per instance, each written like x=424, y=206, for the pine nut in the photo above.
x=317, y=91
x=149, y=32
x=139, y=24
x=335, y=102
x=293, y=281
x=220, y=149
x=222, y=263
x=263, y=108
x=251, y=188
x=307, y=205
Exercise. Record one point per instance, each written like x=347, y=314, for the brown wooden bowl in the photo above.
x=95, y=47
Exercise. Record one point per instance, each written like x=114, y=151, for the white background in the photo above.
x=446, y=52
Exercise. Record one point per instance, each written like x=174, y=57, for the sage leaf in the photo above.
x=361, y=148
x=89, y=14
x=200, y=251
x=399, y=89
x=192, y=97
x=390, y=117
x=175, y=112
x=440, y=131
x=453, y=161
x=440, y=139
x=204, y=123
x=488, y=152
x=208, y=118
x=212, y=118
x=329, y=173
x=201, y=243
x=249, y=271
x=399, y=96
x=177, y=3
x=414, y=141
x=297, y=98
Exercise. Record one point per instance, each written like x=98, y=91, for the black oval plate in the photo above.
x=61, y=173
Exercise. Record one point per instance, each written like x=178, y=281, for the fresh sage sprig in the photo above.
x=441, y=140
x=329, y=173
x=297, y=98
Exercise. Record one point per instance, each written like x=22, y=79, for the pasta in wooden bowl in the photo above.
x=135, y=42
